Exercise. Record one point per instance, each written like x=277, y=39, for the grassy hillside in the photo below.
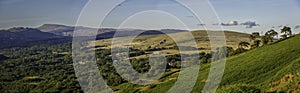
x=272, y=68
x=201, y=37
x=265, y=66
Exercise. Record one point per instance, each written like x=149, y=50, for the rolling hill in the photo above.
x=271, y=68
x=153, y=39
x=264, y=67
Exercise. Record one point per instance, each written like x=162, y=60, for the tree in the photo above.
x=264, y=40
x=239, y=50
x=286, y=32
x=244, y=44
x=254, y=36
x=269, y=35
x=256, y=44
x=204, y=60
x=273, y=33
x=230, y=51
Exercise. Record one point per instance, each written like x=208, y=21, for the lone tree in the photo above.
x=269, y=35
x=286, y=32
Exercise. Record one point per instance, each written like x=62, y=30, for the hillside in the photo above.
x=272, y=68
x=264, y=67
x=143, y=42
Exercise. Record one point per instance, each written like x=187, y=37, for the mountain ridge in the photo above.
x=20, y=36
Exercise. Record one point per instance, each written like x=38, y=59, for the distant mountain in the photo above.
x=102, y=33
x=54, y=27
x=57, y=29
x=54, y=33
x=126, y=33
x=20, y=36
x=63, y=30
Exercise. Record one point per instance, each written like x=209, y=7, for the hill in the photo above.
x=54, y=27
x=153, y=39
x=63, y=30
x=272, y=68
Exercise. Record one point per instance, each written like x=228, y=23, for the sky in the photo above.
x=269, y=14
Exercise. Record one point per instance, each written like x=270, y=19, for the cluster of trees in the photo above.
x=272, y=35
x=269, y=36
x=257, y=40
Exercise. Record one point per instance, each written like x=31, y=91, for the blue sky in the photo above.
x=267, y=13
x=37, y=12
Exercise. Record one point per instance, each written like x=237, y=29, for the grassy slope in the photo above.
x=143, y=42
x=262, y=66
x=269, y=68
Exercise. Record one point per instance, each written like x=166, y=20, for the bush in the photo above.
x=240, y=50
